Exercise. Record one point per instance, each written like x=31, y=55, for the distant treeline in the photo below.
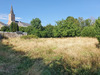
x=70, y=27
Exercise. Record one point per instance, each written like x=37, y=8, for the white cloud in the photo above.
x=3, y=16
x=18, y=18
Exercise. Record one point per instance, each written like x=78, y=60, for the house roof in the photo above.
x=11, y=11
x=18, y=22
x=1, y=23
x=22, y=24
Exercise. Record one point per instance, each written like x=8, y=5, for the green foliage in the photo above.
x=70, y=27
x=36, y=23
x=87, y=22
x=5, y=28
x=28, y=36
x=67, y=28
x=23, y=29
x=48, y=31
x=88, y=31
x=97, y=29
x=35, y=28
x=56, y=32
x=14, y=27
x=29, y=29
x=81, y=21
x=43, y=33
x=97, y=26
x=98, y=38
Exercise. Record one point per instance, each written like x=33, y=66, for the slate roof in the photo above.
x=18, y=22
x=1, y=23
x=22, y=24
x=11, y=11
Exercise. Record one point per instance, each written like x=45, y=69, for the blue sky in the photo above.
x=49, y=11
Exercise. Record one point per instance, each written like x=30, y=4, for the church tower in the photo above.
x=11, y=16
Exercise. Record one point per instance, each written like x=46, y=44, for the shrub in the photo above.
x=98, y=38
x=28, y=36
x=97, y=26
x=14, y=27
x=88, y=31
x=5, y=28
x=43, y=33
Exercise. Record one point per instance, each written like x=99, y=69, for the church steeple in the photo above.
x=11, y=11
x=11, y=16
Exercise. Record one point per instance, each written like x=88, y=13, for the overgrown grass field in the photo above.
x=50, y=56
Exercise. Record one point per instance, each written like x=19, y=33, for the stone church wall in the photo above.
x=12, y=34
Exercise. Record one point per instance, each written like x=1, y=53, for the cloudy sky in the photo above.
x=49, y=11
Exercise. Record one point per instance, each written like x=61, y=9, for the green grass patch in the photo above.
x=28, y=37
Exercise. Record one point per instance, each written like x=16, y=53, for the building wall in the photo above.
x=11, y=18
x=12, y=34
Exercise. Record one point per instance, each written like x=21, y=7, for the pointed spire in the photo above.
x=11, y=11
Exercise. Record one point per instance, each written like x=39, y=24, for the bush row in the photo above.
x=70, y=27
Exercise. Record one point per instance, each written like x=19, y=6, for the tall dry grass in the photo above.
x=76, y=51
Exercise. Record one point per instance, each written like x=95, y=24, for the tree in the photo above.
x=36, y=23
x=43, y=33
x=92, y=20
x=55, y=31
x=49, y=30
x=97, y=26
x=23, y=29
x=88, y=32
x=68, y=28
x=73, y=26
x=14, y=27
x=88, y=22
x=97, y=29
x=81, y=21
x=5, y=28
